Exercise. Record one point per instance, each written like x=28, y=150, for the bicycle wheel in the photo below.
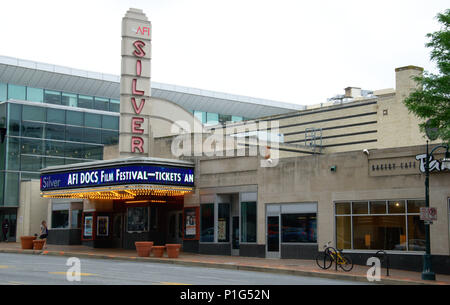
x=346, y=263
x=324, y=260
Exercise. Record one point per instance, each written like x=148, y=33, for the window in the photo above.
x=92, y=135
x=212, y=118
x=137, y=219
x=73, y=150
x=93, y=120
x=56, y=116
x=35, y=95
x=32, y=146
x=101, y=103
x=93, y=152
x=207, y=222
x=235, y=118
x=114, y=105
x=110, y=122
x=33, y=113
x=75, y=118
x=52, y=97
x=3, y=92
x=110, y=137
x=299, y=228
x=16, y=92
x=201, y=116
x=12, y=189
x=76, y=219
x=380, y=225
x=74, y=134
x=69, y=99
x=14, y=119
x=223, y=118
x=85, y=101
x=55, y=132
x=52, y=161
x=32, y=129
x=248, y=222
x=12, y=148
x=60, y=219
x=30, y=163
x=223, y=222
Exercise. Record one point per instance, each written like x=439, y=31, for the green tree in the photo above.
x=432, y=101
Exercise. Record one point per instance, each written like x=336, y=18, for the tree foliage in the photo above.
x=432, y=101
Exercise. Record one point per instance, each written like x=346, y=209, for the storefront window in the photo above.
x=60, y=219
x=248, y=222
x=207, y=222
x=344, y=232
x=223, y=223
x=76, y=219
x=298, y=228
x=137, y=219
x=388, y=225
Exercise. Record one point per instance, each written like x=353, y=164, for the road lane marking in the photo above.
x=73, y=273
x=4, y=267
x=16, y=283
x=173, y=283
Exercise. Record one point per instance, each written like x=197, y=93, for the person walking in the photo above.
x=44, y=233
x=5, y=228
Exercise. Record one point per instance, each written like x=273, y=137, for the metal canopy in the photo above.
x=59, y=78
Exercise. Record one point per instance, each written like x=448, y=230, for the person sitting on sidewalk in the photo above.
x=44, y=233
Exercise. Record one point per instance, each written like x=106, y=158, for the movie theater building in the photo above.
x=348, y=171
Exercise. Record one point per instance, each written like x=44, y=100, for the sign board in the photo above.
x=135, y=84
x=428, y=214
x=134, y=174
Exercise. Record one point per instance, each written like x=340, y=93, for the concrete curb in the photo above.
x=334, y=276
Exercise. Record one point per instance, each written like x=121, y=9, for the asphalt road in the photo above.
x=25, y=269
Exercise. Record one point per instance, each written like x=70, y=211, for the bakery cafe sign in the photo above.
x=404, y=166
x=135, y=83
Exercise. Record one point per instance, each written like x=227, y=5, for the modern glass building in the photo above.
x=47, y=128
x=57, y=115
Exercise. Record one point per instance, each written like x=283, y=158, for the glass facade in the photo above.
x=380, y=225
x=211, y=118
x=41, y=136
x=39, y=95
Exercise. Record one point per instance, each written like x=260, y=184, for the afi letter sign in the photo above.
x=135, y=84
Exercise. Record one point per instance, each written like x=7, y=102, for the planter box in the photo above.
x=143, y=248
x=27, y=241
x=158, y=251
x=38, y=244
x=173, y=250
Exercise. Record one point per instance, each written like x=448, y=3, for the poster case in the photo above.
x=191, y=229
x=102, y=225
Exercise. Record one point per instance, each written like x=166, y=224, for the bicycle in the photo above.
x=326, y=258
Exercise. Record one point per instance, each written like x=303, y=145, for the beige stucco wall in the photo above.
x=32, y=209
x=309, y=179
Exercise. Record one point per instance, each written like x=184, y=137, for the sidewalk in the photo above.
x=283, y=266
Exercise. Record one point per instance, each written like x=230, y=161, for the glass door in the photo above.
x=273, y=237
x=235, y=236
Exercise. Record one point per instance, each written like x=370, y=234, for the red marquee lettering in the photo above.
x=136, y=125
x=138, y=67
x=139, y=52
x=137, y=109
x=137, y=143
x=135, y=91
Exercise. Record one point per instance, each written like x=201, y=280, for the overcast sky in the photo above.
x=292, y=51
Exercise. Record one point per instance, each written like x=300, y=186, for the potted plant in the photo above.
x=158, y=251
x=27, y=241
x=143, y=248
x=173, y=250
x=38, y=244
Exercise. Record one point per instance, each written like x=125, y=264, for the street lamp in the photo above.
x=427, y=273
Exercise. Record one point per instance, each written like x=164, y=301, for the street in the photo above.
x=24, y=269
